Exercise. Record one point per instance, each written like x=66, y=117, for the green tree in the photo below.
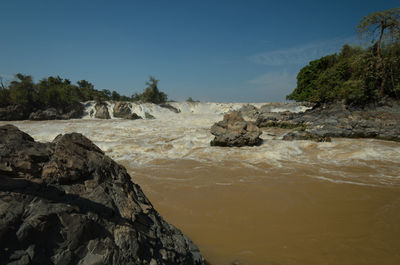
x=152, y=93
x=380, y=26
x=22, y=90
x=115, y=95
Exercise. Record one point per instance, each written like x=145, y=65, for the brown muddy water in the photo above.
x=282, y=203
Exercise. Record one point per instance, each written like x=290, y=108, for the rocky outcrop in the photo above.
x=66, y=202
x=14, y=112
x=249, y=112
x=48, y=114
x=170, y=107
x=102, y=111
x=233, y=130
x=22, y=112
x=277, y=119
x=123, y=110
x=380, y=120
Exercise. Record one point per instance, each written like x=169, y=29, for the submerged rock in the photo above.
x=65, y=202
x=148, y=116
x=170, y=107
x=303, y=135
x=102, y=111
x=233, y=130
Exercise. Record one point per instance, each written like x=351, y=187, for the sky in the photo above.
x=220, y=51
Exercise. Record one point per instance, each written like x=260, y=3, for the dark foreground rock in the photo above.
x=233, y=130
x=123, y=110
x=66, y=202
x=380, y=120
x=22, y=112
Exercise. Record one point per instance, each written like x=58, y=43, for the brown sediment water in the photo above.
x=265, y=215
x=281, y=203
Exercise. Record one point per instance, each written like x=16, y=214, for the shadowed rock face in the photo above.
x=233, y=130
x=66, y=202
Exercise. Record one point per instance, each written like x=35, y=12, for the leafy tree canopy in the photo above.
x=357, y=75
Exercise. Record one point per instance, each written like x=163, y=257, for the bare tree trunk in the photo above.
x=2, y=84
x=381, y=62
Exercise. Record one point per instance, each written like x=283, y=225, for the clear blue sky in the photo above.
x=242, y=51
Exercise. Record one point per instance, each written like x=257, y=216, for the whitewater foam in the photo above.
x=186, y=135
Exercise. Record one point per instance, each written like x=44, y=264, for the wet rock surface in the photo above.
x=65, y=202
x=233, y=130
x=123, y=110
x=249, y=112
x=102, y=111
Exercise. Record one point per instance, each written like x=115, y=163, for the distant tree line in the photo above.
x=357, y=75
x=60, y=93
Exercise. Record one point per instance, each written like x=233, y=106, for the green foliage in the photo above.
x=151, y=93
x=352, y=75
x=357, y=75
x=383, y=25
x=51, y=92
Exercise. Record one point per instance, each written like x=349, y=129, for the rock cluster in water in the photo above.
x=65, y=202
x=233, y=130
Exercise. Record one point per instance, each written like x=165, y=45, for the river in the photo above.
x=281, y=203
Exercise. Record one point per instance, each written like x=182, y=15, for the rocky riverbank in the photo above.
x=66, y=202
x=23, y=112
x=380, y=120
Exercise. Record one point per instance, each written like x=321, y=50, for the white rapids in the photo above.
x=186, y=135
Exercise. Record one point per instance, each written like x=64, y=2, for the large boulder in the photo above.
x=102, y=111
x=233, y=130
x=123, y=110
x=66, y=202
